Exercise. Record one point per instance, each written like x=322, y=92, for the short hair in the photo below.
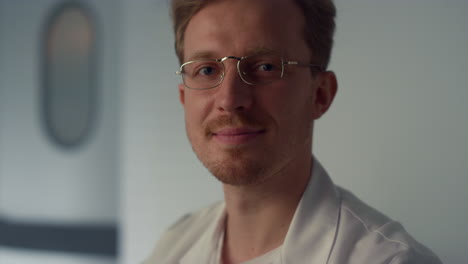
x=319, y=28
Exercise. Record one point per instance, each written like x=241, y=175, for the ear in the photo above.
x=325, y=93
x=182, y=93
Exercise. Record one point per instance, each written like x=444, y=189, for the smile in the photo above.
x=236, y=136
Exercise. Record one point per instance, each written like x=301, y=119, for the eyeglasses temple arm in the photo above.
x=319, y=67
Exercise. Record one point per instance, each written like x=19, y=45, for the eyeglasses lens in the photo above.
x=255, y=70
x=203, y=74
x=261, y=69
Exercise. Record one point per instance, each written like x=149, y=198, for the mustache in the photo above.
x=235, y=120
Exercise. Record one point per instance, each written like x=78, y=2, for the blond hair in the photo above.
x=318, y=33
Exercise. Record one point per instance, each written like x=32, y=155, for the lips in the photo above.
x=236, y=136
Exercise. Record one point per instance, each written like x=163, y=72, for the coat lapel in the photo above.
x=204, y=250
x=312, y=232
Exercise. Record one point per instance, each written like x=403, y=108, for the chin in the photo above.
x=238, y=175
x=237, y=169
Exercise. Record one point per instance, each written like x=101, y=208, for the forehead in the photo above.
x=242, y=27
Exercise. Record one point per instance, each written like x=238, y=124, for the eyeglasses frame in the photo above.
x=239, y=59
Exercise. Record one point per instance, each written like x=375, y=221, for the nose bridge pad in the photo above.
x=224, y=66
x=242, y=74
x=234, y=97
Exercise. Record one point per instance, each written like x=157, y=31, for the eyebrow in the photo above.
x=260, y=50
x=212, y=55
x=202, y=55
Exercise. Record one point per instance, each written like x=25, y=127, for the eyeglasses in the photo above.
x=258, y=69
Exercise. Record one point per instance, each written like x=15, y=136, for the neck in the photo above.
x=258, y=216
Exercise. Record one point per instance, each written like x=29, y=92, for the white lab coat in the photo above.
x=330, y=225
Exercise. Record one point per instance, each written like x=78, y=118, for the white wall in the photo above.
x=2, y=84
x=33, y=167
x=396, y=134
x=41, y=182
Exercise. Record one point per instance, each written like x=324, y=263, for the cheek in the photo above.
x=297, y=107
x=196, y=111
x=293, y=99
x=193, y=127
x=192, y=118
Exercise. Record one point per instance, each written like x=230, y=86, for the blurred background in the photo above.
x=95, y=164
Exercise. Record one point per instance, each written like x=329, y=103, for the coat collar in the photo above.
x=205, y=249
x=313, y=230
x=310, y=237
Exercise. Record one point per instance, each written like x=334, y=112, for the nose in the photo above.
x=233, y=94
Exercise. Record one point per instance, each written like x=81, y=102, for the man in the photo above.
x=254, y=80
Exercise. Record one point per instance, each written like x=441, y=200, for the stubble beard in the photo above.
x=238, y=166
x=244, y=166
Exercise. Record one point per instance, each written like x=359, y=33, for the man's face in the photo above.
x=242, y=133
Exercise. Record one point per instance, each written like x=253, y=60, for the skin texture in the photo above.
x=255, y=139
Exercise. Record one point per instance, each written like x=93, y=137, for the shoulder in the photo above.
x=181, y=235
x=365, y=234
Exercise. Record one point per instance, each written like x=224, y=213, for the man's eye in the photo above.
x=267, y=67
x=207, y=70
